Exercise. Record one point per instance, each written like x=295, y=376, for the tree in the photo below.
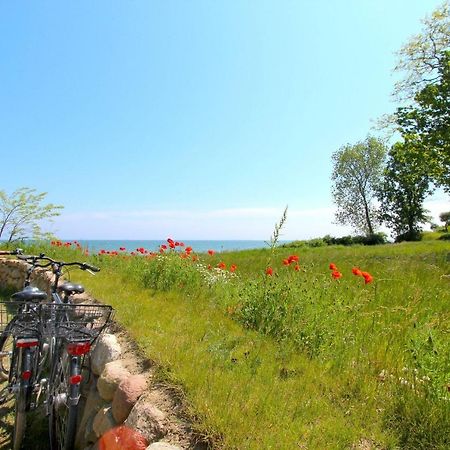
x=405, y=185
x=421, y=57
x=22, y=212
x=445, y=217
x=427, y=122
x=356, y=173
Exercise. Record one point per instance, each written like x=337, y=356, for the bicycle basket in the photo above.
x=19, y=319
x=75, y=322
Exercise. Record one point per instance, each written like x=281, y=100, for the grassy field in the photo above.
x=293, y=357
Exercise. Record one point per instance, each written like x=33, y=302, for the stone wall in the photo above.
x=113, y=407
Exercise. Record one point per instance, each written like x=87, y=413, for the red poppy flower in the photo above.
x=336, y=274
x=233, y=267
x=367, y=277
x=188, y=250
x=209, y=267
x=269, y=271
x=211, y=252
x=333, y=266
x=222, y=265
x=286, y=262
x=181, y=244
x=164, y=247
x=357, y=272
x=170, y=241
x=172, y=244
x=296, y=267
x=293, y=258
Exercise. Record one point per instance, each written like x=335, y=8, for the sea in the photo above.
x=200, y=246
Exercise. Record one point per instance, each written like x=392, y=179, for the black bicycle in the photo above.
x=64, y=335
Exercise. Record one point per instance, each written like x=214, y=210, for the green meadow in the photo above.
x=298, y=359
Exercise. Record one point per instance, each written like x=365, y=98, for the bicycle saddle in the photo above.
x=29, y=294
x=71, y=288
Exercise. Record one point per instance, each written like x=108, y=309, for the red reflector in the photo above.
x=26, y=375
x=26, y=343
x=78, y=348
x=75, y=379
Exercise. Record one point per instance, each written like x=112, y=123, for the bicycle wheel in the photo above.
x=64, y=407
x=6, y=349
x=23, y=400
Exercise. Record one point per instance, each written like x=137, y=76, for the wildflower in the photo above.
x=164, y=247
x=356, y=272
x=333, y=266
x=336, y=274
x=269, y=271
x=194, y=258
x=296, y=267
x=211, y=252
x=177, y=244
x=172, y=244
x=293, y=258
x=188, y=250
x=170, y=241
x=233, y=268
x=122, y=249
x=181, y=244
x=222, y=265
x=209, y=267
x=286, y=262
x=367, y=277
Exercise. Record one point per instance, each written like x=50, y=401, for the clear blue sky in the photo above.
x=197, y=119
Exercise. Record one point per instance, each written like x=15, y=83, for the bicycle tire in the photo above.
x=23, y=401
x=7, y=346
x=64, y=411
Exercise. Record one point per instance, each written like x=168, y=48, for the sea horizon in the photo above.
x=198, y=245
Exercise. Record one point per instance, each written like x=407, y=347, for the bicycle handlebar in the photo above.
x=56, y=265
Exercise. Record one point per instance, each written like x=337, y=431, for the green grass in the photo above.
x=297, y=360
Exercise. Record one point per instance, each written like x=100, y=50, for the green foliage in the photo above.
x=403, y=190
x=21, y=214
x=445, y=217
x=357, y=171
x=445, y=237
x=372, y=239
x=422, y=56
x=427, y=123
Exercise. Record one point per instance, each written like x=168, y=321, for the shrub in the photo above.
x=409, y=236
x=445, y=237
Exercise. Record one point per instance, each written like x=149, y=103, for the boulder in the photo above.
x=126, y=395
x=148, y=420
x=106, y=350
x=113, y=374
x=162, y=446
x=103, y=421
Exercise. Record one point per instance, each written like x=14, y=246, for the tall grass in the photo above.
x=297, y=359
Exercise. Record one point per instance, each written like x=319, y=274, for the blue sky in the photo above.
x=195, y=119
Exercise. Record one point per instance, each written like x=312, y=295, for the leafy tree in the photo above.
x=421, y=57
x=405, y=186
x=427, y=122
x=445, y=217
x=22, y=212
x=356, y=173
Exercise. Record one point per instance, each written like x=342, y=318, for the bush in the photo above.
x=445, y=237
x=409, y=236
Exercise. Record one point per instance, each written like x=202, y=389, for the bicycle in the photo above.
x=19, y=347
x=66, y=334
